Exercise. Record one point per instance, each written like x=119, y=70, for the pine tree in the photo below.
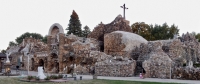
x=74, y=25
x=86, y=31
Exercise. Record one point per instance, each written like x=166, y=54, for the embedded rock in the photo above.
x=120, y=43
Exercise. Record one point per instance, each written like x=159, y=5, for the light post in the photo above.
x=170, y=70
x=28, y=61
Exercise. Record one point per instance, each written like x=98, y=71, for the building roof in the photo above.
x=2, y=55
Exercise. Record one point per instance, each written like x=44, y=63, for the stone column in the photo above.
x=48, y=53
x=0, y=66
x=61, y=49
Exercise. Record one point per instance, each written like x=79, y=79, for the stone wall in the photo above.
x=180, y=51
x=76, y=54
x=37, y=48
x=159, y=64
x=116, y=68
x=186, y=73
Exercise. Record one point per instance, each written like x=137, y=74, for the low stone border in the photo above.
x=35, y=81
x=24, y=79
x=10, y=75
x=58, y=80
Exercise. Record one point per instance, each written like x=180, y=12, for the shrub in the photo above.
x=47, y=78
x=60, y=76
x=37, y=78
x=30, y=77
x=196, y=65
x=54, y=77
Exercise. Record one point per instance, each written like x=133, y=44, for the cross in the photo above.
x=124, y=7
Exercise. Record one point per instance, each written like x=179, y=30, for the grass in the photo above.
x=10, y=80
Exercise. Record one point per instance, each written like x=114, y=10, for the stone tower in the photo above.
x=55, y=41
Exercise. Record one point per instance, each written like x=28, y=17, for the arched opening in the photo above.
x=57, y=67
x=54, y=31
x=54, y=55
x=139, y=68
x=54, y=65
x=41, y=62
x=32, y=63
x=18, y=63
x=57, y=26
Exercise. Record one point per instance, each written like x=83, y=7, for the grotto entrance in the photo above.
x=54, y=63
x=41, y=63
x=72, y=61
x=138, y=68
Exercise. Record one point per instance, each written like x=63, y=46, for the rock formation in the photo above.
x=119, y=24
x=36, y=49
x=159, y=64
x=110, y=50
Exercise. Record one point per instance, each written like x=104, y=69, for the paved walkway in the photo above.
x=87, y=77
x=146, y=79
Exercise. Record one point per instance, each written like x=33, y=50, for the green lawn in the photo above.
x=10, y=80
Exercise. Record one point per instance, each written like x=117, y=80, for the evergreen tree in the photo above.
x=74, y=25
x=163, y=32
x=86, y=31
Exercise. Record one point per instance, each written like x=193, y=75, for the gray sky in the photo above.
x=36, y=16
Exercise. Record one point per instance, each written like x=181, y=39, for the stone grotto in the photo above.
x=110, y=50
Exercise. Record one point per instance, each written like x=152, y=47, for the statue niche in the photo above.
x=55, y=35
x=54, y=40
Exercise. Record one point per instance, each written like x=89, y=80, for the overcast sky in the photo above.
x=36, y=16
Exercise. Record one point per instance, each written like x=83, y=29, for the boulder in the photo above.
x=121, y=43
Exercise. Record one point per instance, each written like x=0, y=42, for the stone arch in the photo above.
x=56, y=26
